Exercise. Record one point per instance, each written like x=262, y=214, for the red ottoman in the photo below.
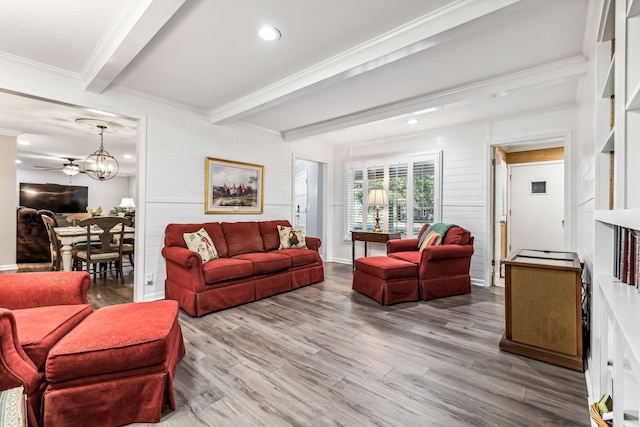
x=386, y=280
x=115, y=368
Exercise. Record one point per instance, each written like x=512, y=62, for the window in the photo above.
x=413, y=187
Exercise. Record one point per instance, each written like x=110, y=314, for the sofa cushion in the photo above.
x=242, y=237
x=40, y=328
x=117, y=338
x=174, y=235
x=201, y=243
x=457, y=236
x=266, y=262
x=269, y=231
x=301, y=256
x=409, y=256
x=221, y=269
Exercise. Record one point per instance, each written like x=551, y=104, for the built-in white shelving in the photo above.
x=614, y=361
x=608, y=145
x=634, y=99
x=609, y=82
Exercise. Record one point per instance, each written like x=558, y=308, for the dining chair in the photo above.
x=54, y=243
x=74, y=218
x=105, y=253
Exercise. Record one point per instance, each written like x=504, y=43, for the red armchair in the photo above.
x=36, y=311
x=443, y=270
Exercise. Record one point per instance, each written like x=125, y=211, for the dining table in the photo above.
x=75, y=234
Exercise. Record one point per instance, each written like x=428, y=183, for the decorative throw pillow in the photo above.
x=12, y=407
x=432, y=239
x=201, y=243
x=291, y=238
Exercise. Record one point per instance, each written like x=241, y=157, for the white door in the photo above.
x=536, y=211
x=301, y=204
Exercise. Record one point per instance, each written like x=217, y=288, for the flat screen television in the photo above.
x=55, y=197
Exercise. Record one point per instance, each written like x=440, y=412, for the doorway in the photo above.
x=308, y=198
x=528, y=200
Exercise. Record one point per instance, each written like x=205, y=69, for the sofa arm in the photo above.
x=16, y=369
x=402, y=245
x=313, y=243
x=39, y=289
x=440, y=252
x=184, y=267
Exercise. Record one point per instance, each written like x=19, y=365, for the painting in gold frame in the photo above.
x=233, y=187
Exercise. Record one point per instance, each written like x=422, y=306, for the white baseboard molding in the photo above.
x=156, y=296
x=9, y=267
x=479, y=282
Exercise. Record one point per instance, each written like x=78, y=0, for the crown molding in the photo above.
x=10, y=132
x=136, y=23
x=572, y=68
x=28, y=63
x=401, y=42
x=159, y=100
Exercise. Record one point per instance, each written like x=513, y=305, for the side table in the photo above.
x=370, y=236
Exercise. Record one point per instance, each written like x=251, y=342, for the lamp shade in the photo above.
x=377, y=197
x=127, y=203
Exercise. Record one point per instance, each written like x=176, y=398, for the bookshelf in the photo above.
x=614, y=360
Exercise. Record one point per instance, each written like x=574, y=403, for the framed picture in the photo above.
x=233, y=187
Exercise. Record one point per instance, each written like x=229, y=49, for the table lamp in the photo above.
x=127, y=204
x=377, y=197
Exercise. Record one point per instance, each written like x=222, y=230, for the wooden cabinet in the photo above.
x=543, y=307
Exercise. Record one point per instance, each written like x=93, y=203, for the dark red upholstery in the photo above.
x=40, y=328
x=242, y=237
x=38, y=309
x=250, y=265
x=116, y=367
x=443, y=270
x=221, y=269
x=386, y=280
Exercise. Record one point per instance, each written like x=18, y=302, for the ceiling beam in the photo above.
x=135, y=25
x=569, y=69
x=401, y=42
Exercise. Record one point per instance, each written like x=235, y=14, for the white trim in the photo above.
x=136, y=23
x=572, y=68
x=386, y=48
x=9, y=267
x=154, y=296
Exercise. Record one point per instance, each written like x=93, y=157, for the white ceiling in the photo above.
x=343, y=71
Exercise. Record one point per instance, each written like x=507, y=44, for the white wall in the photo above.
x=7, y=210
x=173, y=144
x=107, y=194
x=466, y=160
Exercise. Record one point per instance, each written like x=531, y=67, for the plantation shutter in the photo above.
x=354, y=198
x=398, y=197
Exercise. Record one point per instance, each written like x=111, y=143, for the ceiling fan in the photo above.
x=70, y=168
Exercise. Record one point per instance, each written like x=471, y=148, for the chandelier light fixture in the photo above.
x=101, y=165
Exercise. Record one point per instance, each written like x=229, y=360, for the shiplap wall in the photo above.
x=466, y=160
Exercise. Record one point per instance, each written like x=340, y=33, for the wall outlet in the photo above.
x=148, y=279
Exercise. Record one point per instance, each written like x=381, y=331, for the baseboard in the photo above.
x=9, y=267
x=479, y=282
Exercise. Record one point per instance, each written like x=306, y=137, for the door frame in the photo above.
x=570, y=204
x=323, y=182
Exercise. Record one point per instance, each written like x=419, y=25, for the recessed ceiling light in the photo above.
x=412, y=121
x=128, y=156
x=24, y=142
x=269, y=34
x=18, y=161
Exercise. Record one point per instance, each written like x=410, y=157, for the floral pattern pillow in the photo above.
x=291, y=238
x=201, y=243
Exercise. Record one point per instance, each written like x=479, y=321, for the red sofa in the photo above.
x=36, y=311
x=250, y=265
x=443, y=270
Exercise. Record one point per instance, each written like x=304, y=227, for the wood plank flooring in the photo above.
x=324, y=355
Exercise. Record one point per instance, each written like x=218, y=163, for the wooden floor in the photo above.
x=324, y=355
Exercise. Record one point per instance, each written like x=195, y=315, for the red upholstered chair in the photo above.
x=443, y=270
x=36, y=311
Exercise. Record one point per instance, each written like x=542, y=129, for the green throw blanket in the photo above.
x=440, y=228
